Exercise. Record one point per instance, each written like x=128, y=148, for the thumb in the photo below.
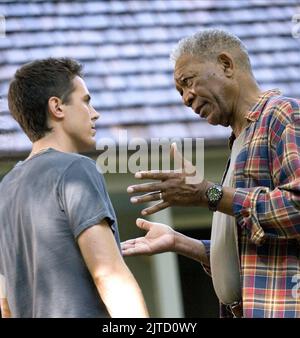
x=180, y=161
x=174, y=151
x=177, y=157
x=143, y=224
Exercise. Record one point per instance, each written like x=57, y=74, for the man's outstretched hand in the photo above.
x=159, y=238
x=171, y=188
x=162, y=238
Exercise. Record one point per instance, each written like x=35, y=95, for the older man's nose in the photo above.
x=188, y=98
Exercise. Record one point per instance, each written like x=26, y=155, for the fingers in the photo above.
x=152, y=196
x=181, y=162
x=176, y=155
x=130, y=243
x=129, y=252
x=155, y=208
x=134, y=247
x=137, y=246
x=146, y=187
x=157, y=174
x=143, y=224
x=126, y=245
x=133, y=250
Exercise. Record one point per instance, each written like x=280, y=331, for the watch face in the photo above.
x=214, y=193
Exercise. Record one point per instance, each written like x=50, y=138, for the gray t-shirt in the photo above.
x=46, y=202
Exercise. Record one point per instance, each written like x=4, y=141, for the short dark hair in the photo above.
x=32, y=86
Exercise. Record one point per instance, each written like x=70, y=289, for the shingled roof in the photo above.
x=125, y=46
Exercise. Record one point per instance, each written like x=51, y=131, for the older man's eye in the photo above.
x=188, y=81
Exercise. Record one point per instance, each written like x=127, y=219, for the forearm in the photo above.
x=268, y=211
x=263, y=211
x=226, y=203
x=191, y=248
x=5, y=311
x=121, y=294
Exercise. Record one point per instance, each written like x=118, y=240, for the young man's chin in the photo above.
x=92, y=146
x=87, y=146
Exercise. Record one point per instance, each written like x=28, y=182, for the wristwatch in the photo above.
x=214, y=195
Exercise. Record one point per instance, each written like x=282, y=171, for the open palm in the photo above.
x=159, y=238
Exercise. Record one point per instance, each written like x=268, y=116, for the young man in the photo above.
x=59, y=242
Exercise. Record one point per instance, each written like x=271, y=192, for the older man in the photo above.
x=253, y=254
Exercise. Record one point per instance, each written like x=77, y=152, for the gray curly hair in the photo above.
x=208, y=43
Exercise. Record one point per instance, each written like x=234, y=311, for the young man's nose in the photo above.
x=95, y=114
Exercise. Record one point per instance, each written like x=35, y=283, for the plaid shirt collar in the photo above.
x=254, y=113
x=256, y=110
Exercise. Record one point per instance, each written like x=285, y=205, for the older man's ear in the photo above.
x=227, y=64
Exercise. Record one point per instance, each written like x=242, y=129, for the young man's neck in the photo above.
x=49, y=141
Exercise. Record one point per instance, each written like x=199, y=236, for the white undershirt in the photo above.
x=224, y=257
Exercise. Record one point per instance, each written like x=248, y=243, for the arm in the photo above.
x=162, y=238
x=177, y=188
x=116, y=285
x=261, y=210
x=274, y=211
x=5, y=311
x=191, y=248
x=84, y=200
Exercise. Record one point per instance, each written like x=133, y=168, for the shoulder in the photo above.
x=282, y=109
x=82, y=167
x=72, y=157
x=71, y=160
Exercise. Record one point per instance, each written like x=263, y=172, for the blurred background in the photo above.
x=124, y=47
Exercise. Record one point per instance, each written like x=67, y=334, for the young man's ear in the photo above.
x=226, y=62
x=55, y=107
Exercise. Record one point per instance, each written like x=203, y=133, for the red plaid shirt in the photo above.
x=267, y=208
